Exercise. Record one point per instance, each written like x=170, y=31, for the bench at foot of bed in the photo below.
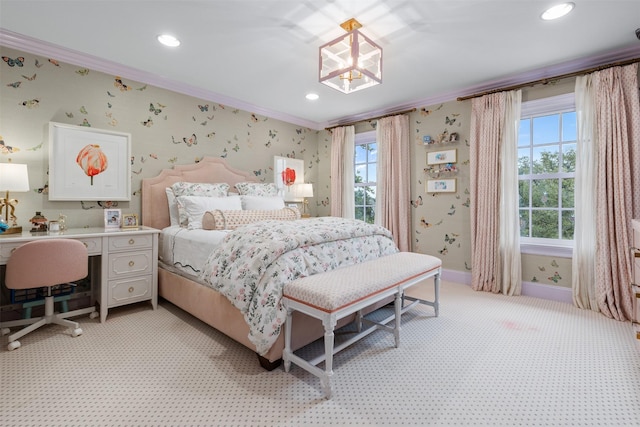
x=338, y=293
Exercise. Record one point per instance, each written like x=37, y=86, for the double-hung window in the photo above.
x=546, y=169
x=365, y=169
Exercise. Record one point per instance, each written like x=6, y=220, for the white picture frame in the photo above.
x=72, y=148
x=112, y=218
x=447, y=185
x=444, y=156
x=286, y=189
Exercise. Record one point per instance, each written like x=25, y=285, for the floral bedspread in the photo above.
x=254, y=262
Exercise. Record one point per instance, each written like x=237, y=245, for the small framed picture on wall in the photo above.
x=112, y=218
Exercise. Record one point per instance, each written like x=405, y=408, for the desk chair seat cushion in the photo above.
x=46, y=262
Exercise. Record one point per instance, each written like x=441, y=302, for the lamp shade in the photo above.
x=14, y=177
x=305, y=190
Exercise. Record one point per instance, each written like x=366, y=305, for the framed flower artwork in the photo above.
x=88, y=164
x=287, y=173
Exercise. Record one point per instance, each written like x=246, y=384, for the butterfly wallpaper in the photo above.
x=170, y=128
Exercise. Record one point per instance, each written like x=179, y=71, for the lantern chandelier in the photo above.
x=351, y=62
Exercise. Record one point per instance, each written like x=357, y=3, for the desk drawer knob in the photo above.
x=131, y=263
x=131, y=241
x=130, y=289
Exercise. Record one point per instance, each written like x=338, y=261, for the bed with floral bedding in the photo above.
x=238, y=288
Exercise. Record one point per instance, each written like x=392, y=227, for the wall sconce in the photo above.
x=13, y=177
x=351, y=62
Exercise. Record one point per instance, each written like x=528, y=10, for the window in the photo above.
x=365, y=169
x=546, y=169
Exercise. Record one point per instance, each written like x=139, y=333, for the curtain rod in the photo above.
x=371, y=118
x=548, y=79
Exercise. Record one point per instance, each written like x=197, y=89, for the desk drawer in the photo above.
x=125, y=243
x=93, y=244
x=130, y=263
x=7, y=249
x=130, y=290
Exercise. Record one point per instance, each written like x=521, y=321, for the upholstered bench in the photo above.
x=338, y=293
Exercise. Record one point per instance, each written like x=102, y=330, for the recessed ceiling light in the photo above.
x=557, y=11
x=312, y=96
x=168, y=40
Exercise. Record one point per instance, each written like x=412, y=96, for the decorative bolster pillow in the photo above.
x=230, y=219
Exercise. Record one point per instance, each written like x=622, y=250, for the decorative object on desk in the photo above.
x=112, y=218
x=441, y=185
x=351, y=62
x=38, y=222
x=13, y=177
x=62, y=220
x=130, y=221
x=54, y=226
x=439, y=157
x=88, y=163
x=288, y=173
x=304, y=191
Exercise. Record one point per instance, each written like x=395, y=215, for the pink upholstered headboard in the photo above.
x=155, y=208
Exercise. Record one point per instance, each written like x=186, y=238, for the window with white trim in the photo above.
x=365, y=169
x=546, y=169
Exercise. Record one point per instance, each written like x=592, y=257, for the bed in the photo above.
x=205, y=301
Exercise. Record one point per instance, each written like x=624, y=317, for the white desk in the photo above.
x=128, y=266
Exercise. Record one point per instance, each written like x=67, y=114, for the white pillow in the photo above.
x=174, y=216
x=196, y=206
x=262, y=203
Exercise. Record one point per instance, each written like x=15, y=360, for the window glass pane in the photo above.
x=359, y=196
x=568, y=223
x=361, y=173
x=524, y=161
x=373, y=152
x=544, y=224
x=569, y=125
x=568, y=192
x=360, y=213
x=371, y=173
x=369, y=215
x=545, y=159
x=523, y=191
x=524, y=222
x=361, y=154
x=546, y=129
x=568, y=157
x=544, y=193
x=524, y=133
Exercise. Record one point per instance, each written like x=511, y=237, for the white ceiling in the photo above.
x=262, y=55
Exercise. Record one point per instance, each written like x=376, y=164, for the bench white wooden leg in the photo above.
x=329, y=323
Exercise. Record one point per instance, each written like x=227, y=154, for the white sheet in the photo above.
x=188, y=250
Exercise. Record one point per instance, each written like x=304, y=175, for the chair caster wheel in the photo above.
x=93, y=315
x=4, y=331
x=76, y=332
x=13, y=345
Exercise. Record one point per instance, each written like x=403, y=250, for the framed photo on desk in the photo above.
x=112, y=218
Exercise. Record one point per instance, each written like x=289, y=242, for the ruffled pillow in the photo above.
x=230, y=220
x=257, y=189
x=262, y=203
x=201, y=189
x=195, y=207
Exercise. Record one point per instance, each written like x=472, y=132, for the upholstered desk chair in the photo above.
x=45, y=263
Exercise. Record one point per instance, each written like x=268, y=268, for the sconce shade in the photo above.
x=14, y=177
x=352, y=62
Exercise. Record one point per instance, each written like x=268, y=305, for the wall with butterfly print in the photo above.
x=167, y=128
x=441, y=221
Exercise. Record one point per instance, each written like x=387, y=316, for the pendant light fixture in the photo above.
x=351, y=62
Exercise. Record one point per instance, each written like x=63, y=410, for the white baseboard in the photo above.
x=531, y=289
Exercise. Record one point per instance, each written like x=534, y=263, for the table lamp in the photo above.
x=305, y=191
x=13, y=177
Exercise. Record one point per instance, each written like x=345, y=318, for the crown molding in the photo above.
x=39, y=47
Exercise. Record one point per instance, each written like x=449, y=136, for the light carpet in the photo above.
x=487, y=360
